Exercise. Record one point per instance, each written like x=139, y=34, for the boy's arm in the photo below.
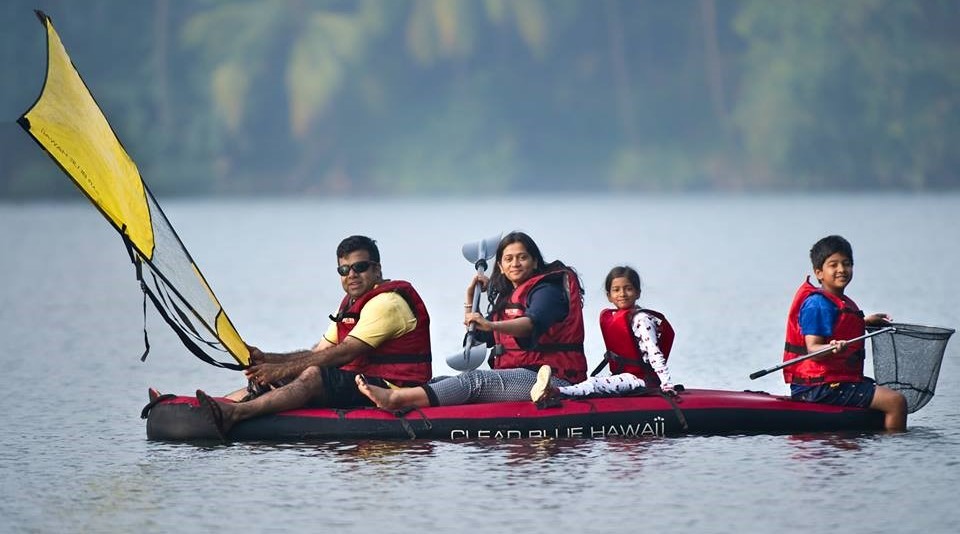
x=817, y=316
x=878, y=319
x=815, y=343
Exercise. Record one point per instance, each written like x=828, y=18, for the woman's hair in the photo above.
x=500, y=288
x=622, y=271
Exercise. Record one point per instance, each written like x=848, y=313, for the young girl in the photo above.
x=638, y=344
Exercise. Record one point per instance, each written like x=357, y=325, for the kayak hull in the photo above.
x=694, y=412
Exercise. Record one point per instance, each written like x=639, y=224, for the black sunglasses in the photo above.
x=358, y=267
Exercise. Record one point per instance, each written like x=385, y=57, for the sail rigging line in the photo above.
x=68, y=124
x=162, y=301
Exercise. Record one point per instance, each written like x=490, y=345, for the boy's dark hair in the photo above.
x=358, y=242
x=827, y=247
x=622, y=271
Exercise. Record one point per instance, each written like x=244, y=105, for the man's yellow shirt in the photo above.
x=384, y=317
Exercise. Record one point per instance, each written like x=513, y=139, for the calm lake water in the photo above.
x=73, y=451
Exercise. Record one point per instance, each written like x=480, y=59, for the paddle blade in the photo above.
x=481, y=250
x=468, y=359
x=474, y=354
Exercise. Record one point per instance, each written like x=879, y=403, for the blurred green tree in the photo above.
x=839, y=94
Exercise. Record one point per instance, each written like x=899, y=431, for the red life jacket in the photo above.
x=560, y=347
x=623, y=353
x=846, y=366
x=404, y=361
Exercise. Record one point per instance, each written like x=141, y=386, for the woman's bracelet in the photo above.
x=468, y=306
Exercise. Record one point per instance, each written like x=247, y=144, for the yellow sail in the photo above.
x=71, y=128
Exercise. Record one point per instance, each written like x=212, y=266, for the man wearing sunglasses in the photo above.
x=381, y=330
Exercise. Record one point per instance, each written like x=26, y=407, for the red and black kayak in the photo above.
x=693, y=412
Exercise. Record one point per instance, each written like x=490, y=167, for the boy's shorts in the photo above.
x=859, y=394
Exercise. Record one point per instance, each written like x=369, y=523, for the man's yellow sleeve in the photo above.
x=331, y=334
x=384, y=317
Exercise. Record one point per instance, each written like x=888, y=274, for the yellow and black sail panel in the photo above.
x=69, y=125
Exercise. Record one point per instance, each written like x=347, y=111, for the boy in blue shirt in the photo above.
x=825, y=317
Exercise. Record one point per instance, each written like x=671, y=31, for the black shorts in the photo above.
x=340, y=389
x=858, y=394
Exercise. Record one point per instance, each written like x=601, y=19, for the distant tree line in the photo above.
x=451, y=96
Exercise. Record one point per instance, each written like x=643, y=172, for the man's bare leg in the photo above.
x=237, y=396
x=394, y=399
x=296, y=394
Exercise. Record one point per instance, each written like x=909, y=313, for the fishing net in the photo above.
x=908, y=360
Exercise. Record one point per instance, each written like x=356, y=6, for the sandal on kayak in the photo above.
x=212, y=412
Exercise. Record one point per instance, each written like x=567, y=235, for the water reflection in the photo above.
x=830, y=445
x=367, y=451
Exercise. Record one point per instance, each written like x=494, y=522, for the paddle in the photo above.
x=814, y=354
x=474, y=353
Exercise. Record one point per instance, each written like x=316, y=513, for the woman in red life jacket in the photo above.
x=535, y=318
x=638, y=344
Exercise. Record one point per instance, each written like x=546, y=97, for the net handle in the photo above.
x=757, y=374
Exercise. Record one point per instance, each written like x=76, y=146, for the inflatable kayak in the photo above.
x=693, y=412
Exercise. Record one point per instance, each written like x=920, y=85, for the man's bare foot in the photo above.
x=153, y=394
